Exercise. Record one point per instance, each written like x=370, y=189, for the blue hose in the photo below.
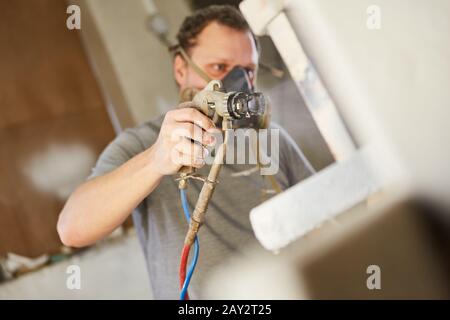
x=187, y=215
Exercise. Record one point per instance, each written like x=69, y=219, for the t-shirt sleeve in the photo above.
x=124, y=147
x=292, y=160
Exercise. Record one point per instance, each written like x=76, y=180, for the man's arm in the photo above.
x=101, y=204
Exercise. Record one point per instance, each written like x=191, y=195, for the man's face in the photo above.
x=217, y=51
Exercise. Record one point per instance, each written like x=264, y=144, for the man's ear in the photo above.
x=180, y=70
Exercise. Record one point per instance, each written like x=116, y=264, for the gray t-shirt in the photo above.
x=159, y=219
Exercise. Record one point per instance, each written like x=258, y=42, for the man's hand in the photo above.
x=184, y=133
x=101, y=204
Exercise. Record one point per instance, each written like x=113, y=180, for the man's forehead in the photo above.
x=218, y=42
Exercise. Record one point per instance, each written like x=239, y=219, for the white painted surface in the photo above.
x=60, y=168
x=390, y=84
x=112, y=270
x=300, y=209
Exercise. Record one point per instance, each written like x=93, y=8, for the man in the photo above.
x=134, y=173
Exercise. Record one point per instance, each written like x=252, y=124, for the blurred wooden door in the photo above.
x=53, y=121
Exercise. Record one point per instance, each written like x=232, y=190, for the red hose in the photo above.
x=183, y=264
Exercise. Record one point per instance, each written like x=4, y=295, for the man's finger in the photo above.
x=194, y=116
x=189, y=148
x=191, y=131
x=190, y=161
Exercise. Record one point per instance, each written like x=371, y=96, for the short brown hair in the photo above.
x=194, y=24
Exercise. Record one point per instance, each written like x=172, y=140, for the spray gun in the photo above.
x=229, y=106
x=213, y=101
x=217, y=104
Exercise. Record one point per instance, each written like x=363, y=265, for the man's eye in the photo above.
x=219, y=67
